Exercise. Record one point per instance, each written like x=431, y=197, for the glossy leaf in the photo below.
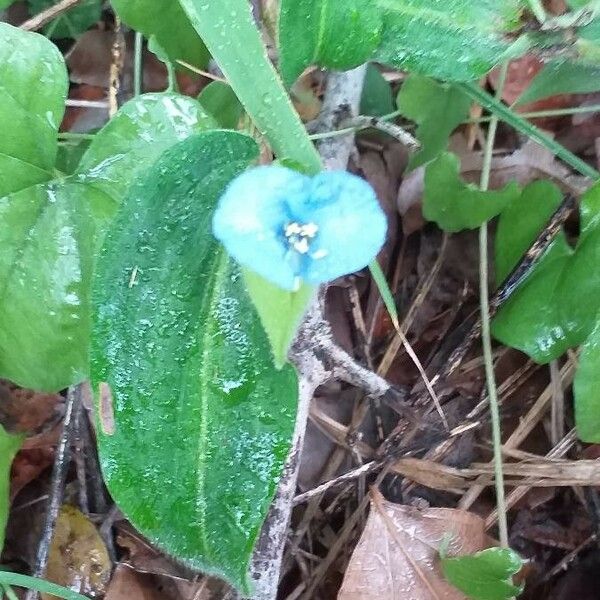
x=9, y=445
x=33, y=88
x=280, y=312
x=586, y=386
x=454, y=40
x=51, y=235
x=377, y=98
x=529, y=319
x=72, y=22
x=437, y=108
x=220, y=101
x=166, y=20
x=199, y=409
x=131, y=141
x=531, y=210
x=486, y=575
x=48, y=242
x=5, y=3
x=329, y=33
x=556, y=307
x=562, y=77
x=455, y=205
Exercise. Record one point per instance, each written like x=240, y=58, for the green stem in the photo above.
x=137, y=64
x=67, y=135
x=502, y=112
x=228, y=30
x=486, y=337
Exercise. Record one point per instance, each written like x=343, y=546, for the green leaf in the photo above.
x=69, y=155
x=280, y=312
x=486, y=575
x=531, y=211
x=455, y=205
x=529, y=319
x=71, y=23
x=377, y=98
x=9, y=446
x=203, y=420
x=557, y=305
x=5, y=3
x=438, y=108
x=48, y=241
x=41, y=585
x=562, y=77
x=467, y=36
x=140, y=132
x=228, y=30
x=51, y=234
x=579, y=292
x=33, y=88
x=219, y=100
x=586, y=385
x=329, y=33
x=166, y=20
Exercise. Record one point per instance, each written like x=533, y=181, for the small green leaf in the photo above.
x=9, y=446
x=280, y=312
x=71, y=23
x=69, y=155
x=220, y=101
x=33, y=88
x=200, y=411
x=562, y=77
x=438, y=108
x=5, y=3
x=377, y=98
x=166, y=20
x=455, y=205
x=329, y=33
x=530, y=211
x=586, y=386
x=486, y=575
x=468, y=36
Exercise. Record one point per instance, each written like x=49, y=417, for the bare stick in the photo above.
x=342, y=95
x=57, y=485
x=48, y=15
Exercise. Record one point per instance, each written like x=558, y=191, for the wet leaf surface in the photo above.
x=33, y=88
x=199, y=408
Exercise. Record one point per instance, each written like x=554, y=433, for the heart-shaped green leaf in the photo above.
x=200, y=411
x=52, y=232
x=455, y=205
x=329, y=33
x=454, y=40
x=168, y=23
x=33, y=88
x=587, y=380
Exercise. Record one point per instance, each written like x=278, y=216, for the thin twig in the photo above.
x=57, y=485
x=48, y=15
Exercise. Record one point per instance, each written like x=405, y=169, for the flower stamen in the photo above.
x=299, y=236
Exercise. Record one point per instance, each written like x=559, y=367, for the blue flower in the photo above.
x=290, y=228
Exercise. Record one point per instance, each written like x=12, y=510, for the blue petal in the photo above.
x=352, y=225
x=251, y=217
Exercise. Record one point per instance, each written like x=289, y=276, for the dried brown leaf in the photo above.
x=397, y=555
